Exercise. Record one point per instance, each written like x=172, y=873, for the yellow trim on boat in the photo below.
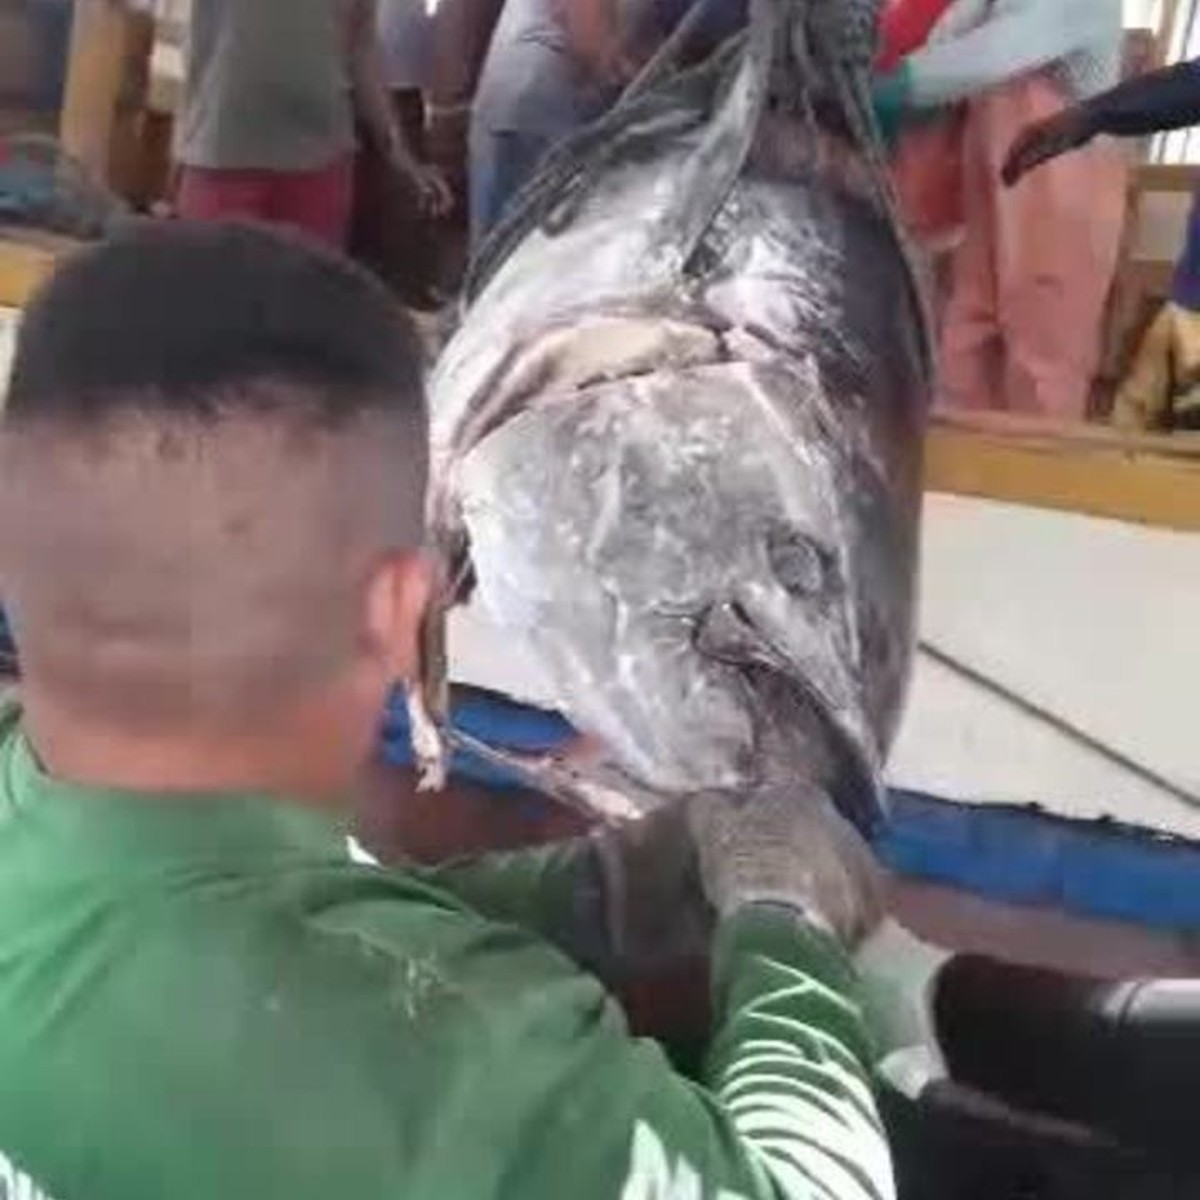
x=23, y=267
x=1149, y=479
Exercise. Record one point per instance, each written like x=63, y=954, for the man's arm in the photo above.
x=368, y=82
x=1154, y=103
x=522, y=1071
x=462, y=32
x=783, y=1110
x=791, y=1064
x=617, y=902
x=784, y=1107
x=492, y=1066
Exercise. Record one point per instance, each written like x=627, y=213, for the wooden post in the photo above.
x=1147, y=479
x=107, y=74
x=23, y=267
x=1168, y=19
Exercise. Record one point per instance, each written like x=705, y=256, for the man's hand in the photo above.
x=446, y=132
x=787, y=846
x=372, y=101
x=434, y=195
x=1045, y=140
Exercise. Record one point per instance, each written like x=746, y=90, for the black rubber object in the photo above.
x=1121, y=1059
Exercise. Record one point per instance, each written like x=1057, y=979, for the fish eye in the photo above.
x=801, y=565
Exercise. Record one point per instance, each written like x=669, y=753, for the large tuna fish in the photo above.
x=677, y=439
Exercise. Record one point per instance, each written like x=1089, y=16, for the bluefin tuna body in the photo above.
x=677, y=439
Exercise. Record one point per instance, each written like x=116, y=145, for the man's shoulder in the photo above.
x=390, y=915
x=359, y=954
x=436, y=957
x=352, y=1004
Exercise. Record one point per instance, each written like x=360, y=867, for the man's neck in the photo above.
x=90, y=754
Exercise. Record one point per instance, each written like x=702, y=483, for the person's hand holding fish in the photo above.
x=791, y=851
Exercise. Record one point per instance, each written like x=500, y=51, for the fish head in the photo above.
x=690, y=553
x=676, y=443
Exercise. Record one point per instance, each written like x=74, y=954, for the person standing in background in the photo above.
x=1162, y=387
x=462, y=32
x=552, y=67
x=267, y=126
x=406, y=40
x=393, y=233
x=926, y=156
x=1030, y=281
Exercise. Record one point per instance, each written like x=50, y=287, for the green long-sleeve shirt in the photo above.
x=202, y=997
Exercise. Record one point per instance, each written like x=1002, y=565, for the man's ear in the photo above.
x=399, y=592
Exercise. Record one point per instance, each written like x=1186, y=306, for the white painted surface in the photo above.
x=8, y=333
x=958, y=742
x=1094, y=620
x=1161, y=228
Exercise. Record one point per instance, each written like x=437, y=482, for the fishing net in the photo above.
x=42, y=187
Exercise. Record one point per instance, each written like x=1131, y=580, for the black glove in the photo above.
x=787, y=846
x=1046, y=140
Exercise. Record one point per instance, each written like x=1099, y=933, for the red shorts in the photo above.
x=317, y=202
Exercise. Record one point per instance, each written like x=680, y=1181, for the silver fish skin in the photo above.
x=677, y=440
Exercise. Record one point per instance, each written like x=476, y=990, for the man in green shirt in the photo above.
x=212, y=466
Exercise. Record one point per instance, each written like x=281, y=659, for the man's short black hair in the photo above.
x=179, y=315
x=213, y=433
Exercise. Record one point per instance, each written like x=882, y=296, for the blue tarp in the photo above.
x=1027, y=856
x=1016, y=855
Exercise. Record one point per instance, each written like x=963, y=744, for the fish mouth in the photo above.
x=582, y=778
x=587, y=779
x=848, y=760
